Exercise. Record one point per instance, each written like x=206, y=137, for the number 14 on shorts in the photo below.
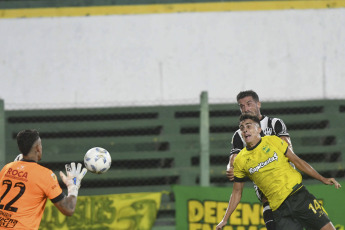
x=317, y=207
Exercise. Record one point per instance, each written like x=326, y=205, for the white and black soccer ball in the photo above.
x=97, y=160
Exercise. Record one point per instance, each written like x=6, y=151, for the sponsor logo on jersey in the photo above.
x=266, y=149
x=6, y=221
x=17, y=174
x=263, y=164
x=54, y=177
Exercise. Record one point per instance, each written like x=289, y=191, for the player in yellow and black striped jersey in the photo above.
x=265, y=160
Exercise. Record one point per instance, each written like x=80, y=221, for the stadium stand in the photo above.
x=156, y=147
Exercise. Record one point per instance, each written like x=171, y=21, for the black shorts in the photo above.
x=301, y=209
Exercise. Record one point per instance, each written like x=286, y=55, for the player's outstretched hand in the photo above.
x=73, y=178
x=331, y=181
x=221, y=225
x=19, y=157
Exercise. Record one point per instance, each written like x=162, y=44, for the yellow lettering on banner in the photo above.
x=195, y=226
x=198, y=226
x=113, y=211
x=251, y=216
x=221, y=209
x=235, y=218
x=253, y=228
x=206, y=227
x=195, y=211
x=210, y=212
x=226, y=228
x=240, y=228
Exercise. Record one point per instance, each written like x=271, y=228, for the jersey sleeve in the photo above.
x=239, y=171
x=53, y=189
x=280, y=144
x=237, y=143
x=279, y=127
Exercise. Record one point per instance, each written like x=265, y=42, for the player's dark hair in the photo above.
x=248, y=93
x=251, y=117
x=26, y=139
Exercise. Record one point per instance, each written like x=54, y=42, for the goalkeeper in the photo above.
x=26, y=186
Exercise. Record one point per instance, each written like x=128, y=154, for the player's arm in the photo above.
x=230, y=167
x=307, y=169
x=235, y=199
x=19, y=157
x=237, y=146
x=287, y=139
x=73, y=180
x=67, y=205
x=281, y=131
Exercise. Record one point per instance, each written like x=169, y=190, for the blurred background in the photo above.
x=134, y=77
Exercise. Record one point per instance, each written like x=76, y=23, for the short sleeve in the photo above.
x=279, y=127
x=280, y=144
x=239, y=171
x=53, y=188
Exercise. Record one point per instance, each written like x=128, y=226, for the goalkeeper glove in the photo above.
x=73, y=178
x=19, y=157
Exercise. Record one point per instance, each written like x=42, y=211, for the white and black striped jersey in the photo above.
x=269, y=125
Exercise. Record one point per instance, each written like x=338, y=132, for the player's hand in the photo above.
x=331, y=181
x=221, y=225
x=19, y=157
x=73, y=178
x=230, y=173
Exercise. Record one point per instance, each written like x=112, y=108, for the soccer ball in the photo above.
x=97, y=160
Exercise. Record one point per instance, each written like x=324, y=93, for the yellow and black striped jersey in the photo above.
x=268, y=167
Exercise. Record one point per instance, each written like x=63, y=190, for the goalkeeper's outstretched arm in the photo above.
x=73, y=179
x=67, y=205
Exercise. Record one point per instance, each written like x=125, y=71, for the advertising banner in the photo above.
x=132, y=211
x=202, y=208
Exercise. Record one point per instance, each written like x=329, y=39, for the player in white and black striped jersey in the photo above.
x=270, y=126
x=250, y=104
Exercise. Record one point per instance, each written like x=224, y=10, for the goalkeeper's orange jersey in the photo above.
x=24, y=189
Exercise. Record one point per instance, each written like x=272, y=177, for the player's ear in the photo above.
x=259, y=104
x=258, y=127
x=37, y=146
